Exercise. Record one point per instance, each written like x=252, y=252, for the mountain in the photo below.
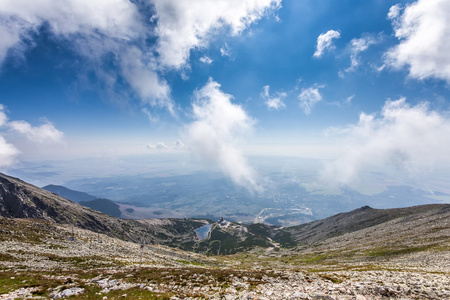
x=416, y=222
x=22, y=200
x=105, y=206
x=360, y=219
x=52, y=248
x=72, y=195
x=19, y=199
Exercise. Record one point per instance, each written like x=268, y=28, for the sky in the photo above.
x=362, y=85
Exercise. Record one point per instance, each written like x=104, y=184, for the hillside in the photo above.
x=359, y=219
x=105, y=206
x=19, y=199
x=54, y=248
x=67, y=193
x=22, y=200
x=40, y=259
x=228, y=237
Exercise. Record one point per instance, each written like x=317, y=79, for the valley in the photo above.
x=366, y=253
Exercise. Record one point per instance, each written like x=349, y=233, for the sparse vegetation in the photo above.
x=41, y=258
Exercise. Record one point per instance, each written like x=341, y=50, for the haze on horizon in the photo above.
x=357, y=94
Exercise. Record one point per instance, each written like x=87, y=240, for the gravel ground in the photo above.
x=56, y=267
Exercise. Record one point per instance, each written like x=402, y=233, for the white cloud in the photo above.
x=225, y=50
x=309, y=97
x=144, y=80
x=183, y=25
x=424, y=33
x=157, y=146
x=149, y=115
x=214, y=134
x=325, y=41
x=400, y=140
x=8, y=153
x=275, y=102
x=117, y=30
x=206, y=60
x=41, y=134
x=394, y=11
x=356, y=47
x=349, y=99
x=94, y=29
x=179, y=145
x=3, y=117
x=117, y=19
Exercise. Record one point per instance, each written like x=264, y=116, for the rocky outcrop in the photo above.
x=14, y=203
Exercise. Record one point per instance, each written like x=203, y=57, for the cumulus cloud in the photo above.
x=8, y=153
x=3, y=117
x=45, y=133
x=215, y=132
x=119, y=31
x=179, y=145
x=402, y=139
x=206, y=60
x=139, y=71
x=40, y=134
x=423, y=29
x=183, y=25
x=274, y=102
x=325, y=42
x=309, y=97
x=225, y=51
x=157, y=146
x=356, y=47
x=94, y=29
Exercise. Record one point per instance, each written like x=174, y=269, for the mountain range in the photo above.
x=52, y=247
x=22, y=200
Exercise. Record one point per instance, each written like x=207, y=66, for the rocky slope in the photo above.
x=19, y=199
x=39, y=259
x=360, y=219
x=364, y=254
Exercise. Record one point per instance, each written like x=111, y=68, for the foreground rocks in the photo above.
x=43, y=260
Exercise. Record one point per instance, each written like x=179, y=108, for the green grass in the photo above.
x=383, y=252
x=10, y=281
x=190, y=263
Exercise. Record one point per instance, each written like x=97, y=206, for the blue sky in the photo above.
x=364, y=83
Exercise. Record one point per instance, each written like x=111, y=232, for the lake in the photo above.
x=202, y=232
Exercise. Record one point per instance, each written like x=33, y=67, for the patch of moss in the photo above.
x=392, y=252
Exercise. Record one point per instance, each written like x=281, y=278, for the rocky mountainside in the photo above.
x=19, y=199
x=359, y=219
x=52, y=248
x=228, y=237
x=38, y=260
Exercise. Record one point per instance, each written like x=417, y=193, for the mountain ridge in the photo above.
x=19, y=199
x=75, y=196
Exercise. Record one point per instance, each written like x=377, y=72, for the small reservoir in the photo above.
x=202, y=232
